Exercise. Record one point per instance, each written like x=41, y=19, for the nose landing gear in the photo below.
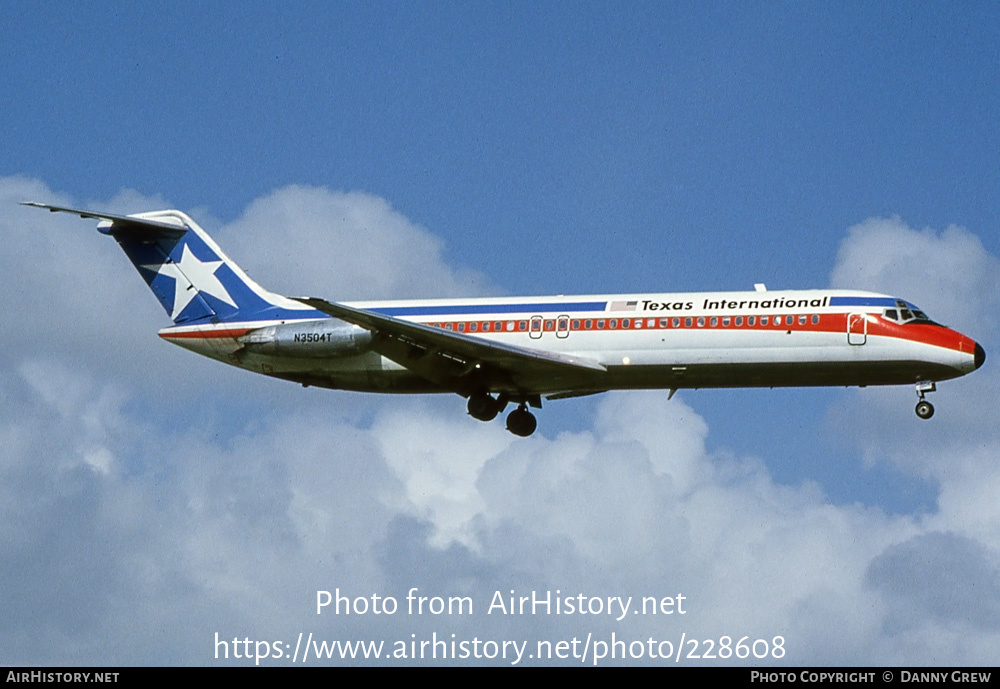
x=925, y=409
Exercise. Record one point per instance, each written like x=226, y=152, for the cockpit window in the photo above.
x=906, y=313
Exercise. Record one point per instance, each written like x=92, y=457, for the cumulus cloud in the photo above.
x=141, y=514
x=940, y=589
x=949, y=274
x=64, y=287
x=313, y=241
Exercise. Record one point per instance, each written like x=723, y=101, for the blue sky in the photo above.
x=358, y=151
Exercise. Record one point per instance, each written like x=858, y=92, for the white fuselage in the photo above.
x=688, y=340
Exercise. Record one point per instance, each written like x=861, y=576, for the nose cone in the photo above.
x=980, y=355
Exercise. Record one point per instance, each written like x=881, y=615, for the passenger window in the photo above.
x=763, y=320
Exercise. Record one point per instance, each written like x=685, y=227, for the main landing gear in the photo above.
x=521, y=422
x=925, y=409
x=485, y=407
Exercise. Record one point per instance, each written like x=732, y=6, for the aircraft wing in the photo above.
x=462, y=362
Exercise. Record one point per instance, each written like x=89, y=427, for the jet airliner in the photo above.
x=497, y=352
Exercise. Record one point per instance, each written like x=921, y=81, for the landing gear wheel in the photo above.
x=521, y=422
x=483, y=407
x=925, y=409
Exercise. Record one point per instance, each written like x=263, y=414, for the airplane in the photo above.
x=516, y=350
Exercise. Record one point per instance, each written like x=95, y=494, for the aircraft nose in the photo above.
x=980, y=355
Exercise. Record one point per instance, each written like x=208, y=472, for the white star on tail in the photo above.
x=190, y=277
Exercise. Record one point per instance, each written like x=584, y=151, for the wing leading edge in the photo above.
x=465, y=363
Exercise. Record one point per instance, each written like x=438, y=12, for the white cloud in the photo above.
x=648, y=510
x=439, y=461
x=311, y=241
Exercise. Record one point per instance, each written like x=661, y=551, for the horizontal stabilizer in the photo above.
x=120, y=222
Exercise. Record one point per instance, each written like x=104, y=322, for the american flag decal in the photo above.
x=623, y=305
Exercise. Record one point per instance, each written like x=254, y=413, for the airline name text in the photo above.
x=648, y=305
x=778, y=303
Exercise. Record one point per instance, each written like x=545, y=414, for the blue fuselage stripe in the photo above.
x=487, y=309
x=862, y=301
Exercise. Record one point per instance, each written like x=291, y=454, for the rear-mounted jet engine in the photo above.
x=323, y=339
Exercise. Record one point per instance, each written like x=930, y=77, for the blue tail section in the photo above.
x=193, y=279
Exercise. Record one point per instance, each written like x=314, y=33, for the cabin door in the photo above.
x=562, y=327
x=857, y=328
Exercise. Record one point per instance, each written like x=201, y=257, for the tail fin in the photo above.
x=193, y=279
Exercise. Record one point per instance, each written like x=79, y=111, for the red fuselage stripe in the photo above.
x=925, y=333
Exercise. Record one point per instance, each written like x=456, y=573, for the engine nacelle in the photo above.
x=325, y=339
